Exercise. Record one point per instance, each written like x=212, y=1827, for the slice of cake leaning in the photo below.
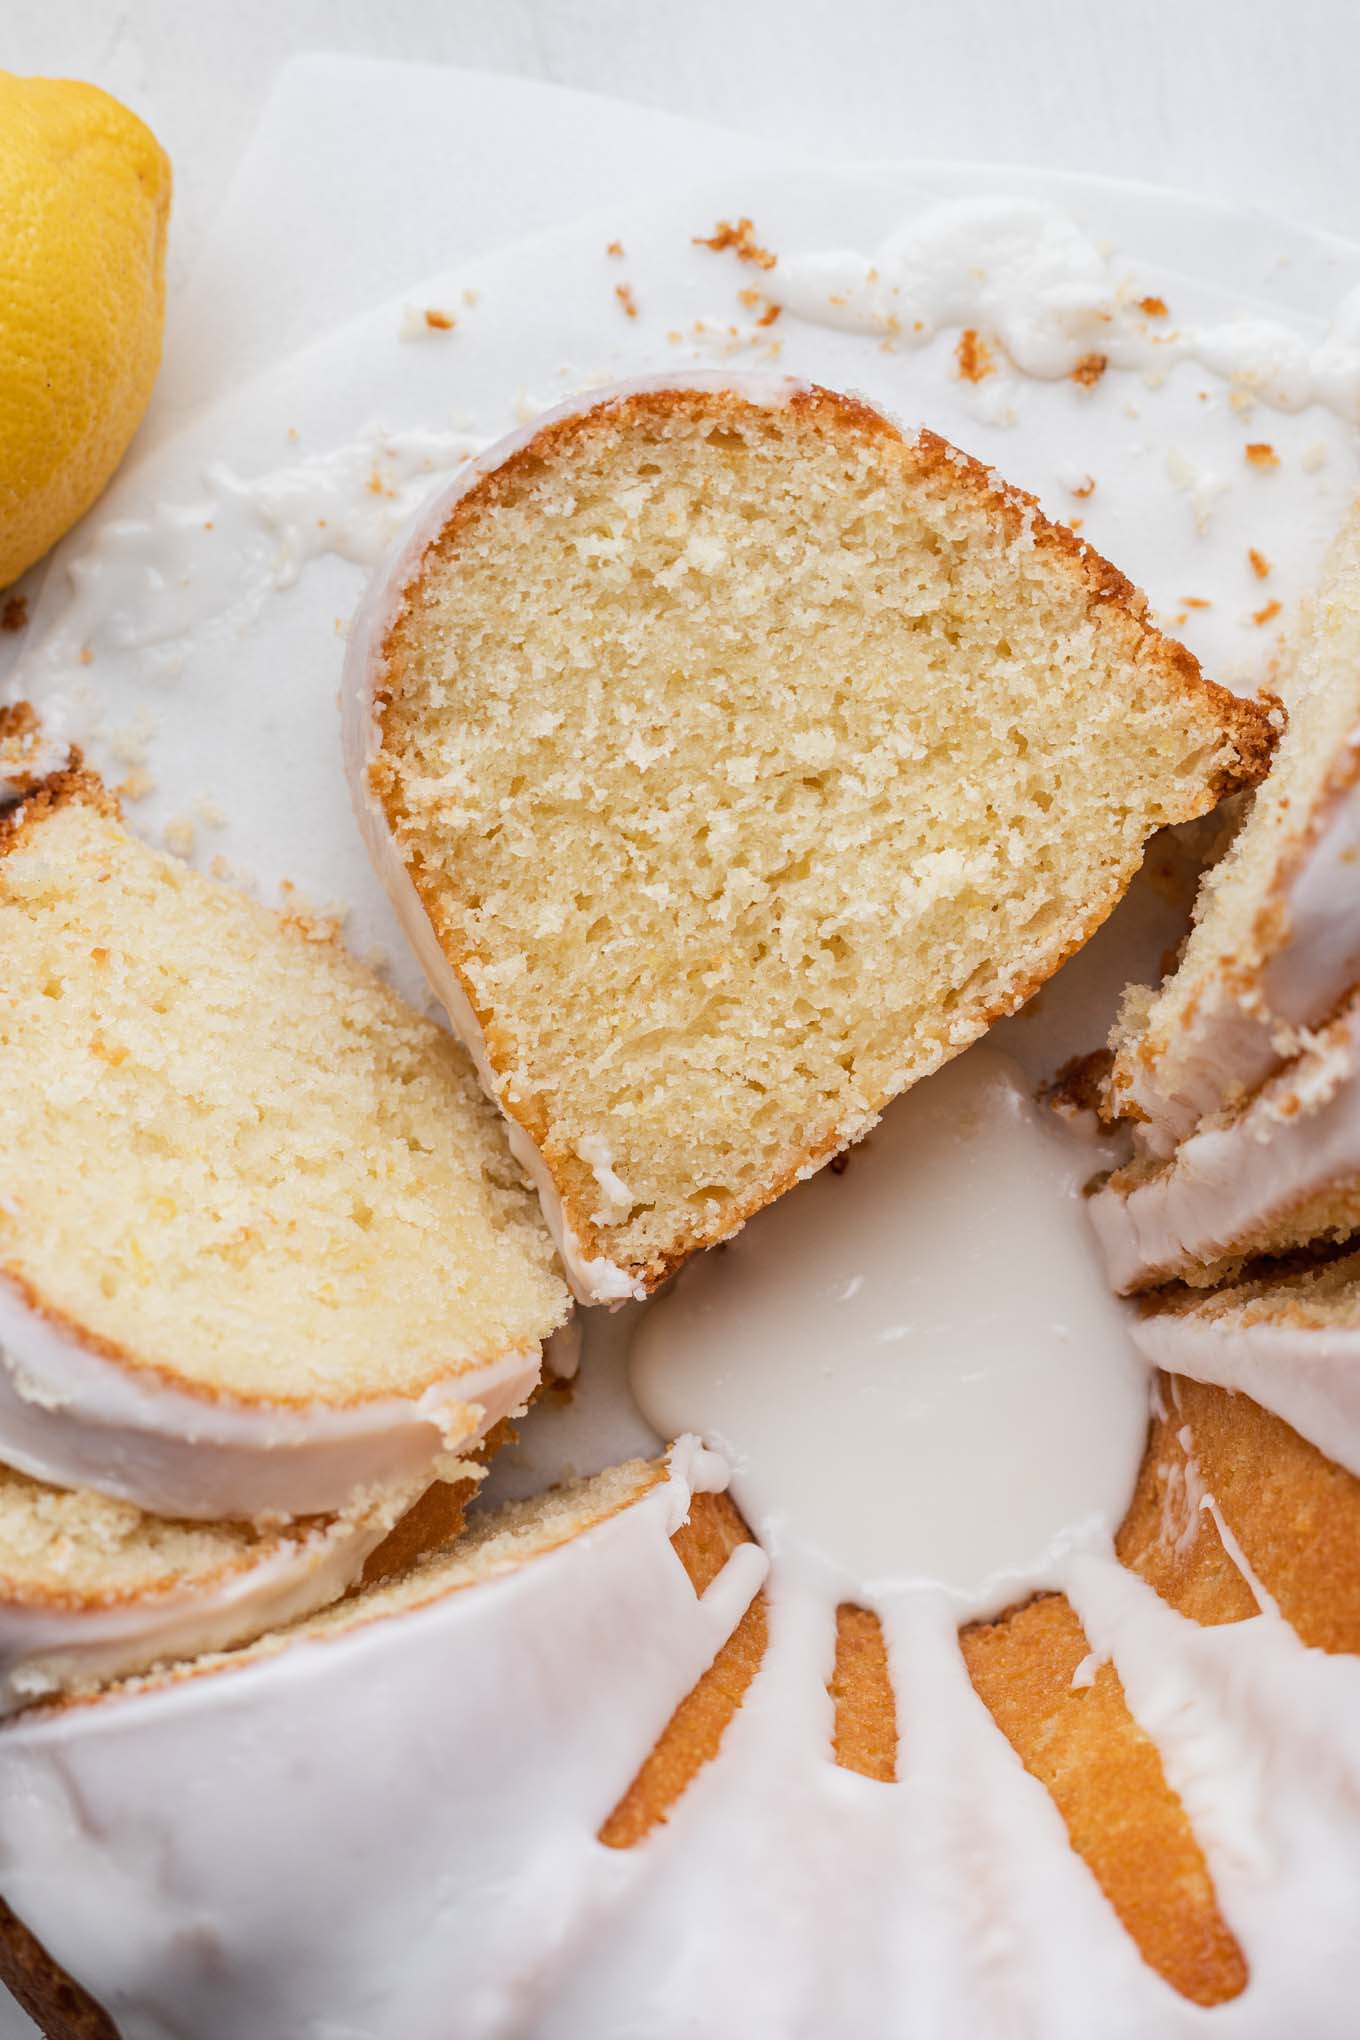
x=735, y=758
x=1275, y=946
x=92, y=1589
x=262, y=1243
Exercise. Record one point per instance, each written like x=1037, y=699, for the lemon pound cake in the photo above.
x=92, y=1589
x=340, y=1867
x=1280, y=1171
x=262, y=1243
x=735, y=758
x=1289, y=1339
x=1276, y=941
x=619, y=1791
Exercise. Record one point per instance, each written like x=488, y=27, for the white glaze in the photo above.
x=76, y=1419
x=782, y=1896
x=1308, y=1374
x=1025, y=274
x=593, y=1278
x=290, y=1877
x=1225, y=1185
x=869, y=1355
x=1229, y=1043
x=48, y=1648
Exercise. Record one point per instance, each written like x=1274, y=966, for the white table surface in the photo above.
x=1244, y=100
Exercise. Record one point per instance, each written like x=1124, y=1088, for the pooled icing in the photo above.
x=594, y=1278
x=943, y=1288
x=46, y=1647
x=1296, y=1139
x=72, y=1417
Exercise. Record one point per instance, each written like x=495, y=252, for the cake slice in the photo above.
x=1280, y=1172
x=734, y=759
x=1275, y=945
x=415, y=1764
x=1289, y=1339
x=93, y=1590
x=262, y=1244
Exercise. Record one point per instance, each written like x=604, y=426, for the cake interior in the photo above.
x=237, y=1158
x=749, y=760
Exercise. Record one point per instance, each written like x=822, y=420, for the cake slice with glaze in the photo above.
x=734, y=758
x=1275, y=945
x=1280, y=1172
x=444, y=1723
x=93, y=1590
x=1289, y=1338
x=262, y=1243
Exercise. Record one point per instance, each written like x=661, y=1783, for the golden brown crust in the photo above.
x=1106, y=1779
x=691, y=1738
x=1294, y=1512
x=1114, y=602
x=1173, y=1544
x=861, y=1689
x=57, y=2005
x=72, y=786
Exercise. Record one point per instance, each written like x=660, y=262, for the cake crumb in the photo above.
x=86, y=656
x=138, y=784
x=751, y=298
x=1153, y=308
x=423, y=322
x=210, y=812
x=14, y=615
x=1260, y=565
x=615, y=248
x=741, y=239
x=1090, y=369
x=1260, y=453
x=1084, y=488
x=974, y=356
x=181, y=834
x=1266, y=615
x=624, y=293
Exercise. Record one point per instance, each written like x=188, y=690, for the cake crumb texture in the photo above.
x=748, y=760
x=235, y=1157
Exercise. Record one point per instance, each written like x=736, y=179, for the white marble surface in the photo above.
x=1242, y=100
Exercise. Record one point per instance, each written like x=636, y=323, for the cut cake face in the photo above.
x=734, y=759
x=262, y=1243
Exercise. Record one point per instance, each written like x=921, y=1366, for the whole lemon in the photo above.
x=84, y=207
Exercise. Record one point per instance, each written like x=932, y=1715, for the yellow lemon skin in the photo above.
x=84, y=208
